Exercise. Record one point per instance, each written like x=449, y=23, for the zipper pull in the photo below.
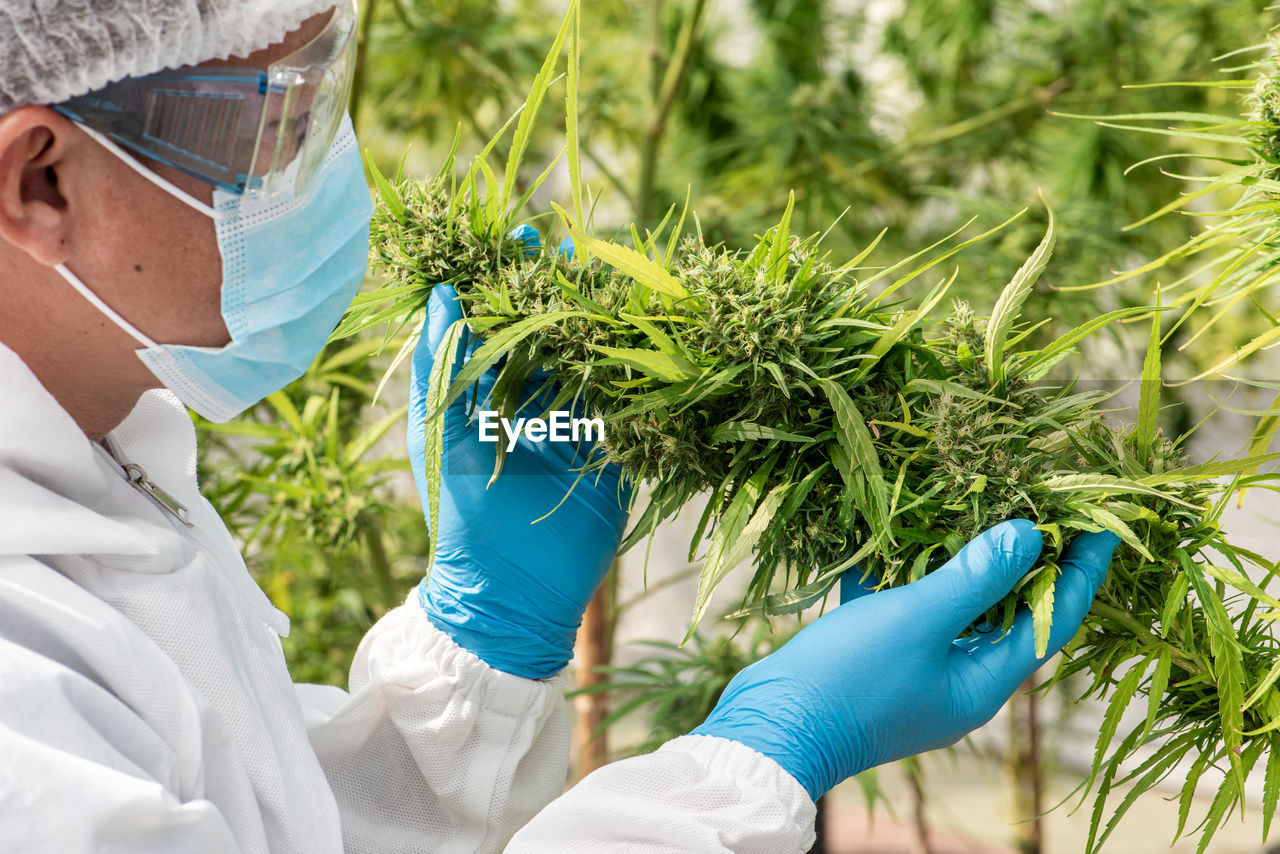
x=139, y=481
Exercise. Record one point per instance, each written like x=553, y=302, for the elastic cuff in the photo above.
x=751, y=768
x=405, y=648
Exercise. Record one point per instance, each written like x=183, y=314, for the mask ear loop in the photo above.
x=75, y=282
x=177, y=192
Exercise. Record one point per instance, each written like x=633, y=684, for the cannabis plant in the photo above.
x=838, y=429
x=1234, y=261
x=304, y=486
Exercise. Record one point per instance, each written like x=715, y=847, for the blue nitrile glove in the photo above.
x=510, y=591
x=883, y=675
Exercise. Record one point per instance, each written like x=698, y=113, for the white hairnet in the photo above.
x=51, y=50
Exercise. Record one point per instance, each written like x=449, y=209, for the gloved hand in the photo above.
x=883, y=676
x=510, y=591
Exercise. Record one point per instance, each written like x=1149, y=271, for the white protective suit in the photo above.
x=145, y=705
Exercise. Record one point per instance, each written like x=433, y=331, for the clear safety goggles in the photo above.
x=251, y=132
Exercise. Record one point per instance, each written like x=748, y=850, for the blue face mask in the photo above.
x=289, y=271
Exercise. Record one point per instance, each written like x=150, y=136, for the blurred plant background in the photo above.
x=903, y=116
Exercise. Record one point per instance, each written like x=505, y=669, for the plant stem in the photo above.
x=593, y=648
x=362, y=53
x=919, y=841
x=1143, y=635
x=1025, y=771
x=665, y=84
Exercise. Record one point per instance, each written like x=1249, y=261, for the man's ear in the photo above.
x=34, y=142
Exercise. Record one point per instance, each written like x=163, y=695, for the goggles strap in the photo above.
x=112, y=315
x=175, y=191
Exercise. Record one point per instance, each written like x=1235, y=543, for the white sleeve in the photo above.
x=434, y=750
x=694, y=794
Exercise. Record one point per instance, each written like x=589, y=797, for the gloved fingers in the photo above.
x=1090, y=554
x=566, y=247
x=1006, y=662
x=977, y=577
x=527, y=236
x=443, y=310
x=854, y=586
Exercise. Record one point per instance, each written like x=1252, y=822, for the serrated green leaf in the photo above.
x=1208, y=471
x=740, y=431
x=637, y=265
x=1130, y=512
x=1155, y=691
x=788, y=601
x=1267, y=681
x=1104, y=789
x=1215, y=612
x=1174, y=601
x=389, y=195
x=532, y=105
x=494, y=348
x=1112, y=523
x=1187, y=794
x=907, y=322
x=433, y=453
x=734, y=539
x=946, y=386
x=1105, y=484
x=1222, y=801
x=1271, y=786
x=1054, y=530
x=1040, y=598
x=1241, y=583
x=661, y=340
x=932, y=262
x=1068, y=340
x=1153, y=771
x=1009, y=304
x=780, y=246
x=1264, y=340
x=1124, y=691
x=864, y=470
x=651, y=363
x=1228, y=666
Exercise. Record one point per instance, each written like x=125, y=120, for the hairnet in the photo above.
x=51, y=50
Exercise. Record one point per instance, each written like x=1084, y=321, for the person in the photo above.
x=183, y=219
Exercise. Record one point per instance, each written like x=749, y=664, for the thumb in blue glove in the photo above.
x=506, y=583
x=884, y=676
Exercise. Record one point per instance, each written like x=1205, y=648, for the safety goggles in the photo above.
x=251, y=132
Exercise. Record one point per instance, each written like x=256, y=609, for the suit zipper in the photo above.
x=138, y=479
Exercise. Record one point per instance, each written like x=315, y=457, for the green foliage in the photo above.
x=1235, y=257
x=677, y=686
x=944, y=112
x=899, y=441
x=303, y=483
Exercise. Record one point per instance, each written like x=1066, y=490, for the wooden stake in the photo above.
x=595, y=642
